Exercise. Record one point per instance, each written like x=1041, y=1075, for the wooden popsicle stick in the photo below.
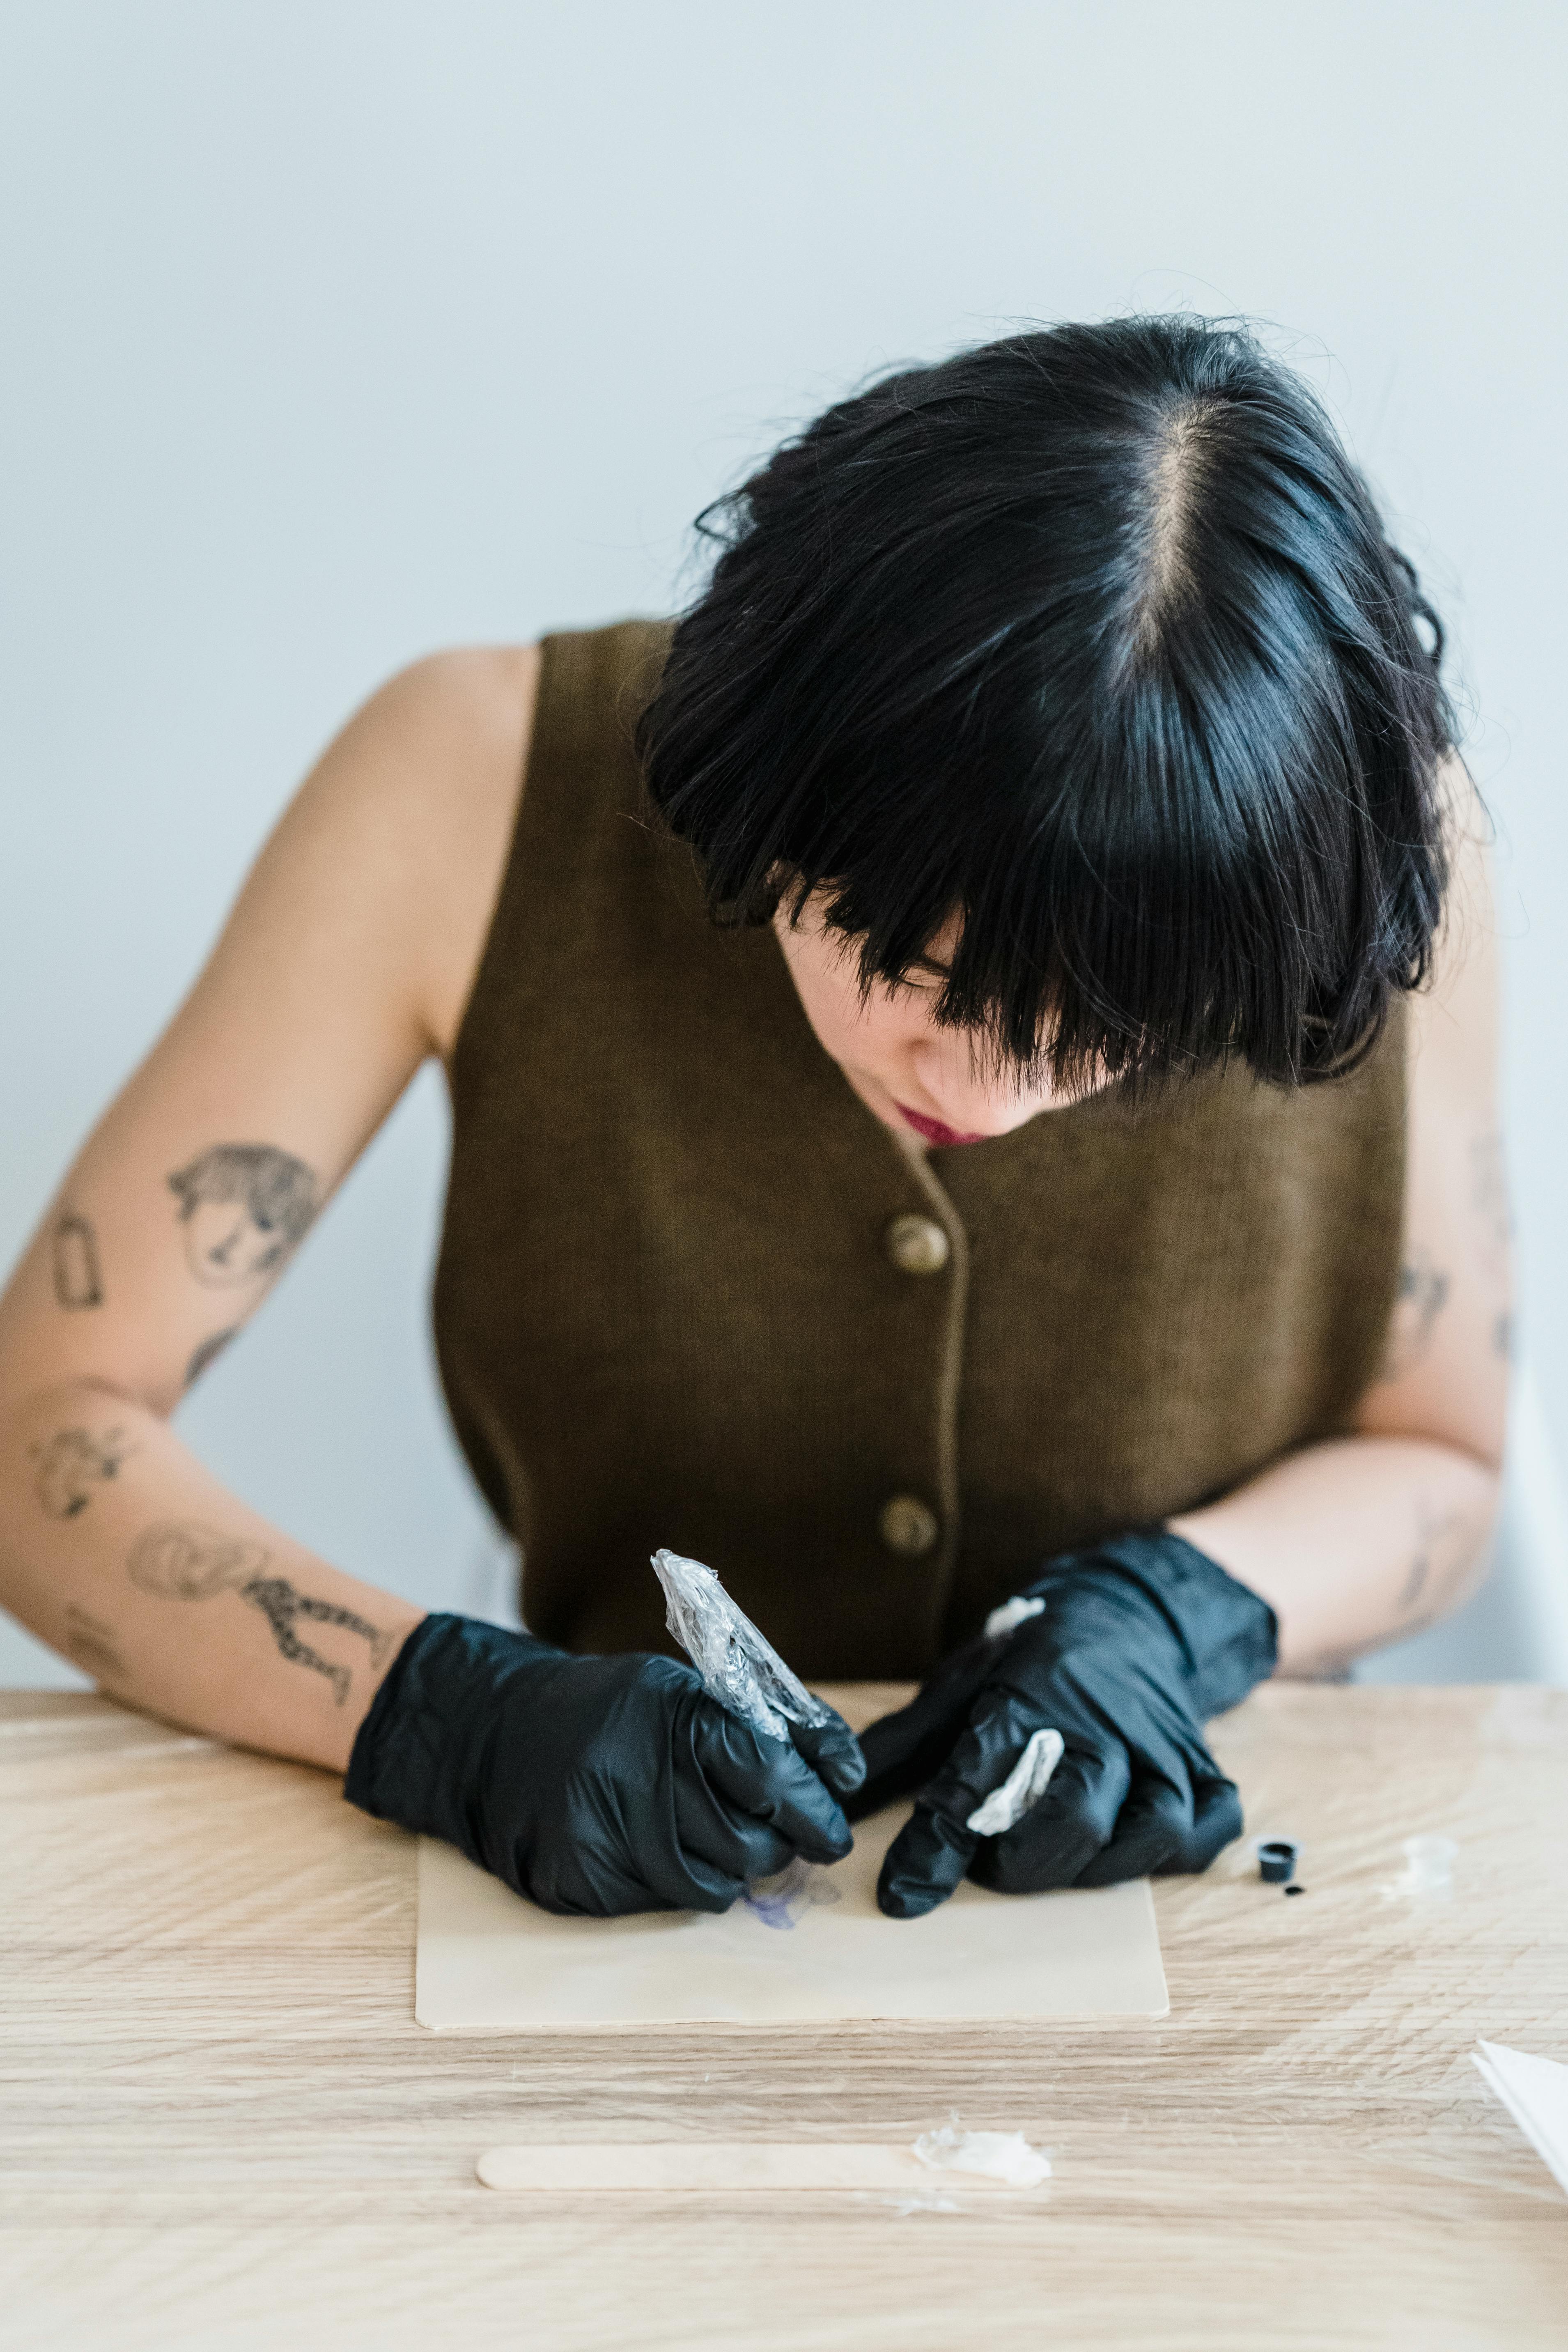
x=722, y=2165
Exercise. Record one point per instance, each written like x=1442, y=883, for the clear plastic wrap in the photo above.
x=1428, y=1868
x=739, y=1668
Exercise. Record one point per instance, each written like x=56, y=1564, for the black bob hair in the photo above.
x=1092, y=638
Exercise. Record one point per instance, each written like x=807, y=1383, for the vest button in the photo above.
x=908, y=1525
x=918, y=1244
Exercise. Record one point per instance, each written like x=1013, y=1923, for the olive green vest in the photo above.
x=691, y=1292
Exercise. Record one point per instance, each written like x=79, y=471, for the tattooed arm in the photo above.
x=122, y=1550
x=1368, y=1539
x=346, y=962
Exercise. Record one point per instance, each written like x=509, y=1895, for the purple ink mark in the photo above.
x=783, y=1900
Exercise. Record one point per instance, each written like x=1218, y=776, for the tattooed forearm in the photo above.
x=243, y=1208
x=93, y=1645
x=280, y=1604
x=78, y=1282
x=1422, y=1295
x=72, y=1464
x=185, y=1561
x=204, y=1354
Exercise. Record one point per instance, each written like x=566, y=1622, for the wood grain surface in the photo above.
x=221, y=2127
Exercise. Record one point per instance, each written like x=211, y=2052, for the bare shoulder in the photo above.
x=1454, y=1021
x=460, y=724
x=345, y=962
x=418, y=800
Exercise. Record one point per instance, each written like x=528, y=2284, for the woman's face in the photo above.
x=920, y=1080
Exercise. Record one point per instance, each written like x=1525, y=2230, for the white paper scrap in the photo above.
x=1535, y=2093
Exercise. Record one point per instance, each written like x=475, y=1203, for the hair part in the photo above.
x=1092, y=639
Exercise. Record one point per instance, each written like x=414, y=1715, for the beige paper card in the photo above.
x=817, y=1950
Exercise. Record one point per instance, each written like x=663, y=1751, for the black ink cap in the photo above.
x=1276, y=1860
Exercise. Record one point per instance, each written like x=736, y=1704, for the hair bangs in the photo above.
x=1085, y=655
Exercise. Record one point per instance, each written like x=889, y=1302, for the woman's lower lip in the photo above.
x=934, y=1130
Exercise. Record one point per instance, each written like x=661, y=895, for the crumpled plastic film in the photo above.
x=739, y=1668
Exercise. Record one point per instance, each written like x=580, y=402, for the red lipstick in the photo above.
x=934, y=1130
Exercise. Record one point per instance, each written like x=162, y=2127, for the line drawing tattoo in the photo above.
x=280, y=1604
x=78, y=1280
x=74, y=1462
x=92, y=1644
x=243, y=1208
x=1420, y=1298
x=1433, y=1533
x=204, y=1354
x=1503, y=1337
x=182, y=1560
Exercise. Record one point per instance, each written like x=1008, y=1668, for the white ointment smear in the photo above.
x=1005, y=1808
x=1000, y=2156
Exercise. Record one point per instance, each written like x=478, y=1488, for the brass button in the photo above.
x=908, y=1525
x=918, y=1244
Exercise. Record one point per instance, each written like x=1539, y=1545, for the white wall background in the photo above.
x=335, y=332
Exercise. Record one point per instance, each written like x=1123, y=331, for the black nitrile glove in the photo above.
x=1138, y=1642
x=595, y=1785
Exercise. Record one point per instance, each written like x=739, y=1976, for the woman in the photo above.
x=969, y=1115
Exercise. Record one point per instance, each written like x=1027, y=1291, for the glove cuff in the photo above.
x=1229, y=1633
x=410, y=1762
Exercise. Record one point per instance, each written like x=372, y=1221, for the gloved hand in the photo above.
x=1138, y=1643
x=595, y=1785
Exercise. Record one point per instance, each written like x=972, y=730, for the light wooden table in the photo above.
x=221, y=2128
